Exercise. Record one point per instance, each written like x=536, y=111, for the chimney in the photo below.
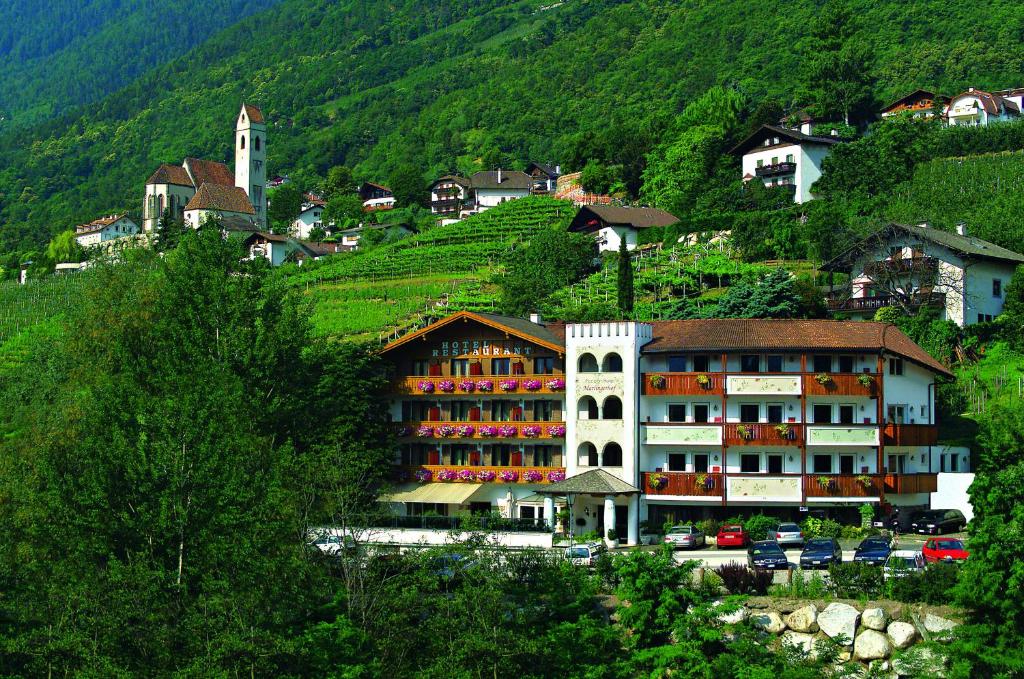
x=558, y=169
x=961, y=228
x=535, y=318
x=499, y=175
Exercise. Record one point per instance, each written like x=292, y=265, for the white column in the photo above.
x=549, y=511
x=609, y=516
x=633, y=527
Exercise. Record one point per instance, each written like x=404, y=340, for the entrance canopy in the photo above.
x=593, y=482
x=439, y=493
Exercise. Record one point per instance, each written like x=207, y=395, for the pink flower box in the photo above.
x=467, y=475
x=485, y=385
x=465, y=430
x=508, y=385
x=426, y=386
x=556, y=430
x=488, y=430
x=425, y=432
x=532, y=476
x=556, y=476
x=467, y=386
x=507, y=431
x=447, y=475
x=447, y=386
x=446, y=431
x=423, y=475
x=556, y=384
x=532, y=385
x=531, y=431
x=486, y=475
x=509, y=476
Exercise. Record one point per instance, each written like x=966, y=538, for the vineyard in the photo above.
x=982, y=191
x=484, y=241
x=26, y=311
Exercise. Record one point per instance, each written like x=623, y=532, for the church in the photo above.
x=199, y=188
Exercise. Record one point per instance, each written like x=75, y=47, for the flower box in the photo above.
x=486, y=475
x=556, y=384
x=657, y=481
x=532, y=385
x=404, y=431
x=468, y=386
x=485, y=385
x=508, y=475
x=446, y=431
x=556, y=476
x=447, y=475
x=426, y=386
x=531, y=431
x=532, y=476
x=425, y=432
x=465, y=430
x=467, y=475
x=508, y=385
x=447, y=386
x=556, y=430
x=488, y=430
x=423, y=475
x=657, y=381
x=507, y=431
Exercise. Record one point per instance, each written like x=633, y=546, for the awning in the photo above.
x=440, y=493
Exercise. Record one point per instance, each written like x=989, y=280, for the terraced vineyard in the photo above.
x=28, y=310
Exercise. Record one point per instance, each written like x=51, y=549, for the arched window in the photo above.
x=612, y=408
x=587, y=408
x=587, y=455
x=588, y=364
x=242, y=142
x=256, y=142
x=160, y=205
x=612, y=455
x=612, y=363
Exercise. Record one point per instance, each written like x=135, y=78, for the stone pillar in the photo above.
x=609, y=517
x=549, y=511
x=633, y=519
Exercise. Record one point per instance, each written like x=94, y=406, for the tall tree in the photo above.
x=339, y=182
x=553, y=259
x=625, y=279
x=408, y=186
x=64, y=247
x=168, y=232
x=835, y=59
x=285, y=206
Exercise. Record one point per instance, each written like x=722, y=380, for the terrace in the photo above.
x=785, y=487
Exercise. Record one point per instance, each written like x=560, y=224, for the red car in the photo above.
x=944, y=549
x=732, y=536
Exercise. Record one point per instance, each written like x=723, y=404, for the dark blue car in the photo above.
x=872, y=551
x=767, y=554
x=821, y=553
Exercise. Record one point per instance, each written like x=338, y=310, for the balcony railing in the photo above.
x=899, y=484
x=455, y=431
x=498, y=385
x=683, y=384
x=842, y=435
x=936, y=299
x=776, y=169
x=476, y=474
x=844, y=384
x=763, y=434
x=683, y=483
x=689, y=484
x=844, y=485
x=904, y=265
x=910, y=434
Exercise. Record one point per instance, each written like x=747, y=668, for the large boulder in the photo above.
x=839, y=619
x=734, y=618
x=874, y=618
x=938, y=627
x=871, y=645
x=901, y=634
x=768, y=621
x=803, y=619
x=804, y=642
x=919, y=661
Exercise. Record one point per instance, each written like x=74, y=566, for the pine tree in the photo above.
x=625, y=279
x=168, y=232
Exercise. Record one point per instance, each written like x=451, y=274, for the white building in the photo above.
x=105, y=229
x=492, y=188
x=174, y=186
x=976, y=107
x=310, y=218
x=903, y=265
x=782, y=157
x=612, y=224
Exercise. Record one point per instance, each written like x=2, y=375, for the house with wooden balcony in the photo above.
x=914, y=266
x=449, y=195
x=789, y=159
x=671, y=420
x=917, y=104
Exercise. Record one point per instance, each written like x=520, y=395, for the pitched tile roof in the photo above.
x=98, y=224
x=915, y=96
x=510, y=179
x=170, y=174
x=221, y=198
x=969, y=246
x=992, y=103
x=593, y=217
x=254, y=114
x=794, y=136
x=735, y=334
x=209, y=172
x=595, y=481
x=520, y=327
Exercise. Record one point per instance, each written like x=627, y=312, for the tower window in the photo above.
x=256, y=142
x=242, y=142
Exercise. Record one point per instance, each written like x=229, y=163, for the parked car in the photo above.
x=732, y=536
x=685, y=536
x=944, y=549
x=821, y=553
x=789, y=535
x=452, y=567
x=873, y=551
x=586, y=554
x=767, y=554
x=333, y=545
x=938, y=521
x=903, y=562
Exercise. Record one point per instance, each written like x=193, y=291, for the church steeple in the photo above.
x=251, y=159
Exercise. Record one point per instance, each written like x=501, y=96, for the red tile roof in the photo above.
x=170, y=174
x=221, y=198
x=990, y=102
x=209, y=172
x=98, y=224
x=254, y=114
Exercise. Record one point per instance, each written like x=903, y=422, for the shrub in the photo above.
x=852, y=532
x=855, y=580
x=820, y=528
x=758, y=526
x=738, y=579
x=709, y=526
x=934, y=586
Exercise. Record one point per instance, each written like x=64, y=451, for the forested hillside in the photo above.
x=438, y=85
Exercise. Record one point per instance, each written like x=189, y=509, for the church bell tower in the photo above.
x=251, y=159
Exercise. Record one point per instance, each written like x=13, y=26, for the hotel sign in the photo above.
x=468, y=348
x=842, y=436
x=766, y=489
x=683, y=436
x=783, y=385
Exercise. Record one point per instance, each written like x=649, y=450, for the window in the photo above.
x=750, y=463
x=846, y=464
x=750, y=412
x=790, y=158
x=750, y=363
x=700, y=463
x=846, y=364
x=500, y=366
x=543, y=411
x=460, y=410
x=612, y=455
x=543, y=456
x=701, y=364
x=822, y=464
x=459, y=367
x=587, y=455
x=257, y=191
x=775, y=160
x=774, y=363
x=421, y=368
x=822, y=413
x=774, y=464
x=257, y=165
x=587, y=363
x=241, y=142
x=822, y=363
x=612, y=408
x=677, y=412
x=997, y=288
x=587, y=408
x=544, y=365
x=760, y=162
x=985, y=318
x=897, y=464
x=775, y=413
x=700, y=412
x=612, y=363
x=677, y=462
x=895, y=366
x=677, y=364
x=256, y=143
x=846, y=413
x=896, y=413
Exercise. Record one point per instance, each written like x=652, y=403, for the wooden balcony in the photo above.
x=682, y=384
x=844, y=485
x=763, y=434
x=847, y=303
x=503, y=430
x=460, y=473
x=843, y=384
x=684, y=483
x=910, y=434
x=906, y=265
x=899, y=484
x=453, y=386
x=776, y=169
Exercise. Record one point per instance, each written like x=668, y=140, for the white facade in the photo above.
x=609, y=238
x=194, y=218
x=120, y=228
x=975, y=107
x=488, y=198
x=161, y=196
x=788, y=164
x=251, y=162
x=310, y=218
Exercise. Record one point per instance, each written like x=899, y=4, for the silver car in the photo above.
x=903, y=562
x=685, y=536
x=787, y=535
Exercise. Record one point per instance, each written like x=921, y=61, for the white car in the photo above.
x=585, y=554
x=903, y=562
x=333, y=545
x=685, y=536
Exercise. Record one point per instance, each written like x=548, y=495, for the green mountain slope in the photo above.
x=61, y=53
x=438, y=84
